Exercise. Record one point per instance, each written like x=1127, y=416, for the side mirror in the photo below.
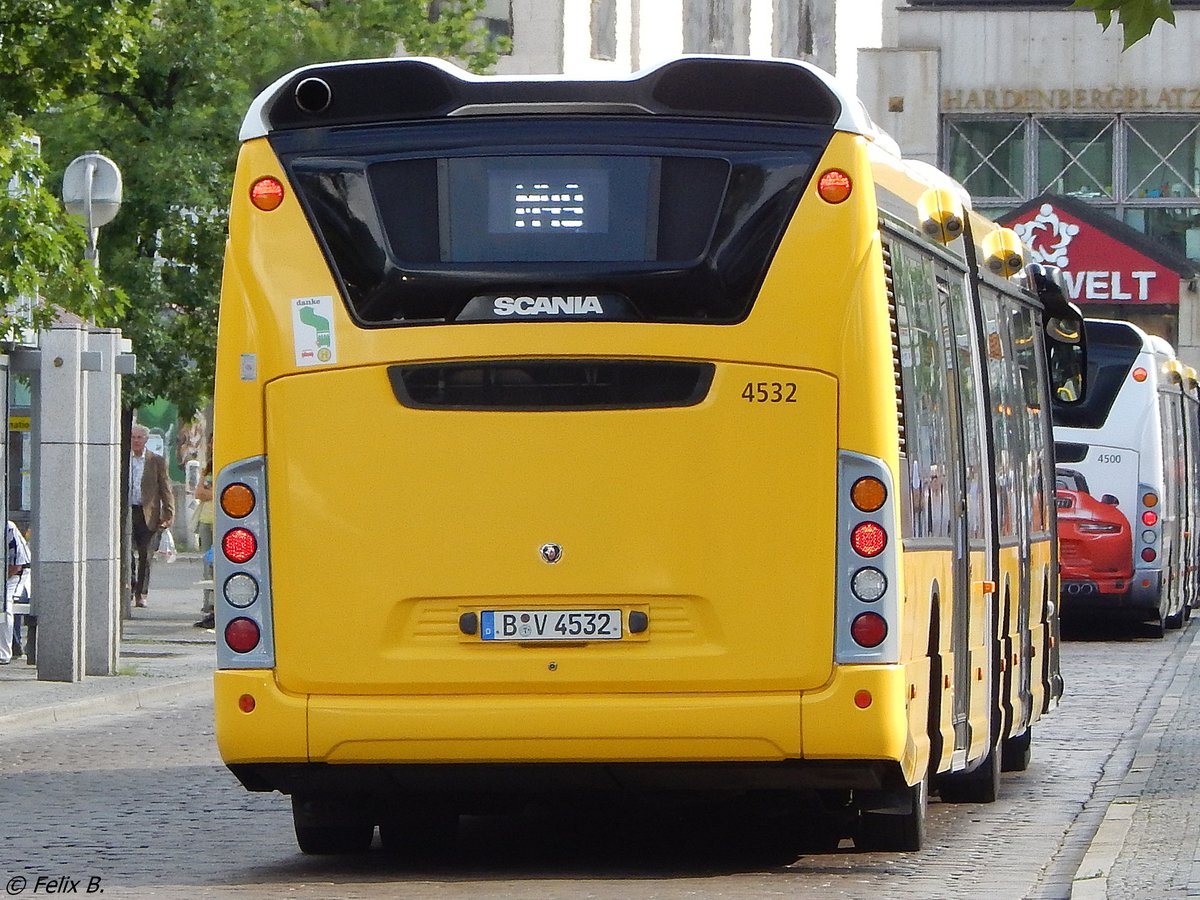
x=1066, y=340
x=1110, y=500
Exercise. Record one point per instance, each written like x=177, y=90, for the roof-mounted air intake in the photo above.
x=393, y=90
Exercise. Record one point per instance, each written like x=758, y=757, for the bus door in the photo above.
x=971, y=561
x=941, y=509
x=1008, y=425
x=1023, y=401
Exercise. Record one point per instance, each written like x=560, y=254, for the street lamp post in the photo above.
x=92, y=191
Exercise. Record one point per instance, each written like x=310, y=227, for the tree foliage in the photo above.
x=49, y=51
x=170, y=121
x=1136, y=18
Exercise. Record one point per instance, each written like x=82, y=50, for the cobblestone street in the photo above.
x=139, y=800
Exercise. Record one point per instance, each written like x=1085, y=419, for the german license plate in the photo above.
x=550, y=625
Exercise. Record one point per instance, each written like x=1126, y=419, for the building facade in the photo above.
x=612, y=37
x=1035, y=109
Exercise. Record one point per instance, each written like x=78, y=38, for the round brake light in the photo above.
x=266, y=193
x=1149, y=555
x=239, y=545
x=868, y=539
x=1139, y=374
x=1149, y=518
x=868, y=629
x=242, y=635
x=834, y=186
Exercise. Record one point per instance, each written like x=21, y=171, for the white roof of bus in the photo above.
x=853, y=118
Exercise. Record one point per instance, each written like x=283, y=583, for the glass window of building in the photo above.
x=1075, y=157
x=987, y=156
x=1143, y=170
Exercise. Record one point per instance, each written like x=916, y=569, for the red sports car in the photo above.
x=1095, y=542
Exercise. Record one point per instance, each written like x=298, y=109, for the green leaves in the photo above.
x=165, y=104
x=1135, y=17
x=49, y=50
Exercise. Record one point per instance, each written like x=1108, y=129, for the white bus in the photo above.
x=1128, y=438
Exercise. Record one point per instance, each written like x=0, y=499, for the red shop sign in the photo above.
x=1098, y=267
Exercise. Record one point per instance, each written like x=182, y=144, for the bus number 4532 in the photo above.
x=770, y=392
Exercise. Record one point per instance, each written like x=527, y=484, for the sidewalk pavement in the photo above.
x=162, y=655
x=1148, y=844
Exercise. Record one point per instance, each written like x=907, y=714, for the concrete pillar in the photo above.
x=101, y=519
x=59, y=504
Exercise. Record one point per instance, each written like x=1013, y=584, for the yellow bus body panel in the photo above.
x=441, y=512
x=276, y=730
x=735, y=567
x=567, y=728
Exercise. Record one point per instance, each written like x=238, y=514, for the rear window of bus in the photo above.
x=664, y=220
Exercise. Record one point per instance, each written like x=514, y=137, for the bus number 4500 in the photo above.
x=770, y=392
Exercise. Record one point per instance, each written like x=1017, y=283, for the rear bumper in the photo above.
x=1083, y=588
x=825, y=729
x=1141, y=593
x=473, y=787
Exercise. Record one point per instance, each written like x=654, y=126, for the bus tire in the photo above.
x=325, y=828
x=899, y=828
x=1015, y=752
x=979, y=785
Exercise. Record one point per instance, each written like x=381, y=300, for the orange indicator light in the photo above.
x=237, y=500
x=868, y=494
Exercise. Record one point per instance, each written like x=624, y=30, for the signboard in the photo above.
x=1097, y=264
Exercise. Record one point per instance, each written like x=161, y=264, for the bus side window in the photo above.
x=926, y=504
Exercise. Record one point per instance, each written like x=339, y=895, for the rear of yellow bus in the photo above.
x=556, y=437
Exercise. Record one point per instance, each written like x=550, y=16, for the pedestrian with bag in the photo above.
x=16, y=585
x=204, y=531
x=151, y=507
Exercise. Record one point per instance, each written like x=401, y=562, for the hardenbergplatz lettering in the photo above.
x=1034, y=100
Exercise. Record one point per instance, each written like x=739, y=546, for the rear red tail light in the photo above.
x=834, y=186
x=266, y=193
x=239, y=545
x=868, y=539
x=1149, y=555
x=242, y=635
x=1149, y=518
x=868, y=629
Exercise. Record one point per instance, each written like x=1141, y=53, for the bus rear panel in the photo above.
x=559, y=449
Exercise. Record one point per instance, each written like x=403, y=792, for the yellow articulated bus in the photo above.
x=661, y=434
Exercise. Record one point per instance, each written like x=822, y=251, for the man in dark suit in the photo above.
x=151, y=507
